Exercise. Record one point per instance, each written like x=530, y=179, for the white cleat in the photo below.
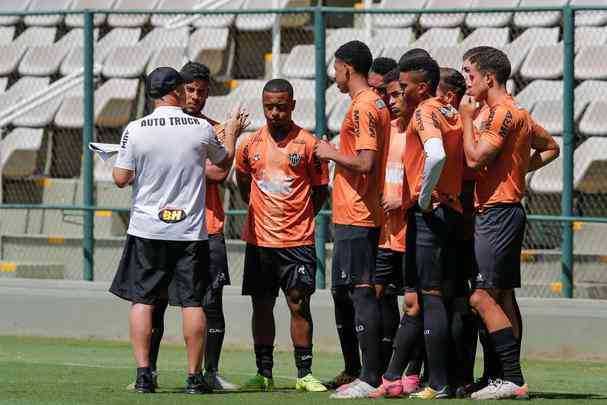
x=499, y=389
x=355, y=390
x=218, y=383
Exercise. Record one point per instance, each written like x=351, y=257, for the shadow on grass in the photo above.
x=181, y=390
x=566, y=395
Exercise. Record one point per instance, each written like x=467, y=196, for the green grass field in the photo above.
x=59, y=371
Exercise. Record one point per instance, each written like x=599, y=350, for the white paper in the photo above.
x=104, y=150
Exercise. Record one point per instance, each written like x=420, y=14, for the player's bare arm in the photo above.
x=236, y=122
x=122, y=177
x=243, y=180
x=361, y=163
x=478, y=154
x=215, y=174
x=319, y=197
x=545, y=148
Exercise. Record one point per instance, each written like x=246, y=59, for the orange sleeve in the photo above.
x=498, y=126
x=366, y=120
x=318, y=169
x=243, y=163
x=537, y=129
x=426, y=123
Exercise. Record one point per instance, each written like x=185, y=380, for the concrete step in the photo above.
x=32, y=270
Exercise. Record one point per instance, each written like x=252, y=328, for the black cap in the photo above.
x=163, y=80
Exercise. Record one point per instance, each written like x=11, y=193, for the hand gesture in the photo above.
x=467, y=107
x=323, y=149
x=390, y=204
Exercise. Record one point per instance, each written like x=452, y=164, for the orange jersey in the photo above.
x=213, y=207
x=393, y=230
x=479, y=121
x=281, y=211
x=356, y=197
x=510, y=128
x=435, y=118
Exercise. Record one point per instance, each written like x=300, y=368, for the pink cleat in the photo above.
x=388, y=389
x=410, y=383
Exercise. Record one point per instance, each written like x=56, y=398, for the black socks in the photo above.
x=157, y=331
x=264, y=358
x=367, y=328
x=388, y=305
x=303, y=360
x=408, y=337
x=344, y=319
x=508, y=349
x=492, y=367
x=436, y=336
x=215, y=334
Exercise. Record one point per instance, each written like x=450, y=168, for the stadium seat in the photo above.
x=304, y=113
x=12, y=5
x=540, y=90
x=173, y=56
x=549, y=179
x=46, y=5
x=59, y=222
x=257, y=22
x=254, y=107
x=113, y=105
x=590, y=164
x=6, y=35
x=589, y=36
x=333, y=96
x=594, y=121
x=113, y=39
x=544, y=62
x=219, y=107
x=19, y=152
x=13, y=52
x=541, y=18
x=131, y=20
x=392, y=36
x=590, y=63
x=438, y=37
x=451, y=56
x=518, y=49
x=219, y=20
x=590, y=17
x=130, y=61
x=21, y=89
x=475, y=20
x=247, y=89
x=168, y=20
x=3, y=83
x=300, y=63
x=589, y=239
x=444, y=20
x=75, y=20
x=338, y=114
x=209, y=46
x=46, y=60
x=397, y=20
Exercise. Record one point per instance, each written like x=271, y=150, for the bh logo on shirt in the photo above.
x=171, y=215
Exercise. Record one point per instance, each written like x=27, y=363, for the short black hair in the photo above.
x=414, y=53
x=278, y=86
x=492, y=60
x=474, y=51
x=452, y=80
x=391, y=76
x=425, y=67
x=383, y=65
x=197, y=70
x=356, y=54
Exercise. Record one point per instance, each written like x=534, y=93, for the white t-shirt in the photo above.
x=167, y=150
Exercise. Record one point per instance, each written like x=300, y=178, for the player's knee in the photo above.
x=379, y=290
x=479, y=300
x=431, y=291
x=411, y=304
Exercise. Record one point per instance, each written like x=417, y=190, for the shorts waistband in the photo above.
x=482, y=210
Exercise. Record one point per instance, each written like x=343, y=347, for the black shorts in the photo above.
x=498, y=240
x=218, y=270
x=354, y=255
x=266, y=270
x=430, y=258
x=150, y=269
x=389, y=271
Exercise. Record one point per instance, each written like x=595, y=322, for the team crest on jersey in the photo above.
x=379, y=103
x=171, y=215
x=294, y=159
x=256, y=157
x=447, y=111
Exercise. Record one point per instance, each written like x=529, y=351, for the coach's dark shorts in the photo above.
x=389, y=271
x=150, y=268
x=354, y=255
x=430, y=258
x=266, y=270
x=218, y=270
x=498, y=240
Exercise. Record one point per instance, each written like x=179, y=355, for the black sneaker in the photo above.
x=466, y=390
x=145, y=384
x=197, y=385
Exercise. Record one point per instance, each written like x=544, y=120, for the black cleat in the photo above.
x=466, y=390
x=145, y=384
x=197, y=385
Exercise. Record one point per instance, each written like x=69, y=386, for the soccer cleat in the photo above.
x=430, y=393
x=499, y=389
x=218, y=383
x=466, y=390
x=410, y=383
x=309, y=383
x=197, y=385
x=259, y=382
x=340, y=380
x=355, y=390
x=131, y=386
x=144, y=384
x=388, y=389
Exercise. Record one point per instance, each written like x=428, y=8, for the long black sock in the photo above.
x=390, y=316
x=436, y=336
x=303, y=360
x=157, y=331
x=519, y=317
x=216, y=325
x=367, y=325
x=344, y=319
x=507, y=348
x=408, y=336
x=470, y=339
x=264, y=358
x=418, y=354
x=492, y=367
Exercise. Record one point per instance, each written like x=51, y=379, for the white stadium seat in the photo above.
x=13, y=52
x=46, y=5
x=397, y=20
x=475, y=20
x=12, y=5
x=19, y=152
x=219, y=20
x=539, y=18
x=590, y=17
x=258, y=22
x=444, y=20
x=75, y=20
x=165, y=20
x=540, y=90
x=518, y=49
x=131, y=20
x=209, y=46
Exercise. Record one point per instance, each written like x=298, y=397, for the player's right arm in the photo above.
x=236, y=122
x=427, y=128
x=123, y=172
x=545, y=148
x=243, y=170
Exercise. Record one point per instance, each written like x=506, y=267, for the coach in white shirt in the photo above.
x=163, y=156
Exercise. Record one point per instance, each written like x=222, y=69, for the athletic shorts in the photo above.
x=430, y=259
x=150, y=269
x=218, y=270
x=266, y=270
x=498, y=240
x=354, y=255
x=389, y=271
